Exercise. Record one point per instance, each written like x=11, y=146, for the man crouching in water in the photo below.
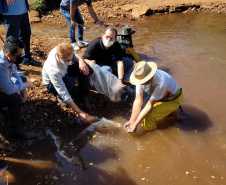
x=165, y=97
x=59, y=75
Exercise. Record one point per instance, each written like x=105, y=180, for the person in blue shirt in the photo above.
x=12, y=89
x=15, y=13
x=70, y=10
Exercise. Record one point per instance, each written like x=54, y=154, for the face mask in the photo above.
x=67, y=62
x=19, y=59
x=107, y=43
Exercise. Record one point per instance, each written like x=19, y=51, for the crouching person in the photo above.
x=12, y=89
x=59, y=73
x=165, y=97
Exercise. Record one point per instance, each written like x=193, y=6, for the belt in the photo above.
x=174, y=98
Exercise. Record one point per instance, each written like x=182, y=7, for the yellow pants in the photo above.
x=131, y=51
x=161, y=110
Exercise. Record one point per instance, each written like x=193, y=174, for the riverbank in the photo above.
x=134, y=9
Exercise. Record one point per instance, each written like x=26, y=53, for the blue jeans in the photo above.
x=14, y=104
x=18, y=26
x=79, y=20
x=128, y=68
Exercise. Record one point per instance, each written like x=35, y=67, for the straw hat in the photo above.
x=143, y=71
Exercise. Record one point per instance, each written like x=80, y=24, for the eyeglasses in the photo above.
x=19, y=56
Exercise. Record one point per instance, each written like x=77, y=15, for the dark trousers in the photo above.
x=69, y=81
x=14, y=104
x=18, y=26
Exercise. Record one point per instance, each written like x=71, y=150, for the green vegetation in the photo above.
x=39, y=5
x=45, y=5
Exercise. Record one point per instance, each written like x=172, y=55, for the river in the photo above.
x=188, y=148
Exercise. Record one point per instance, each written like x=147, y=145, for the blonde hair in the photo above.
x=64, y=49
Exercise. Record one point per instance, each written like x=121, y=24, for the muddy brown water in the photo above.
x=187, y=148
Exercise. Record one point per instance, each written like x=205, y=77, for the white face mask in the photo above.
x=107, y=43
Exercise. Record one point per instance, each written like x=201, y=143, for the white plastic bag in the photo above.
x=105, y=82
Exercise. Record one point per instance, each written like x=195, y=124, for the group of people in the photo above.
x=63, y=65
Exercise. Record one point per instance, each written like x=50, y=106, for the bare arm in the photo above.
x=89, y=62
x=120, y=70
x=136, y=107
x=24, y=93
x=94, y=16
x=72, y=15
x=138, y=115
x=82, y=65
x=135, y=110
x=148, y=108
x=82, y=115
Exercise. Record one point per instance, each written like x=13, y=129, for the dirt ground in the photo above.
x=42, y=110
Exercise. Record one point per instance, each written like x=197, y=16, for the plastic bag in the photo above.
x=105, y=82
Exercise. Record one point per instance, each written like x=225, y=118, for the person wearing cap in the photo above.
x=106, y=52
x=125, y=39
x=165, y=96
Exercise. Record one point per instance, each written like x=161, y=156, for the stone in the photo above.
x=129, y=7
x=137, y=12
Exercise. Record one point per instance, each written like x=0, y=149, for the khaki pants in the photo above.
x=161, y=110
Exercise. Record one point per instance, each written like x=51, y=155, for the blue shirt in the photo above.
x=17, y=8
x=10, y=81
x=65, y=4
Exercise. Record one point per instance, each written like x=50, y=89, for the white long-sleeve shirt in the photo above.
x=53, y=71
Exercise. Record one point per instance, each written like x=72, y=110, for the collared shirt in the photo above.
x=10, y=81
x=65, y=4
x=162, y=82
x=17, y=8
x=53, y=71
x=96, y=51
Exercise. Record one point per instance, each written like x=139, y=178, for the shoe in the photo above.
x=20, y=71
x=75, y=46
x=83, y=43
x=32, y=62
x=61, y=102
x=21, y=134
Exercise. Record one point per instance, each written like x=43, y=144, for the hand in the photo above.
x=129, y=127
x=91, y=62
x=24, y=95
x=100, y=23
x=83, y=67
x=84, y=117
x=29, y=84
x=74, y=24
x=9, y=2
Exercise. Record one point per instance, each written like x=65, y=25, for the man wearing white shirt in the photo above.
x=59, y=75
x=165, y=96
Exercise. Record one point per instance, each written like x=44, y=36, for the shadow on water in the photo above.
x=191, y=119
